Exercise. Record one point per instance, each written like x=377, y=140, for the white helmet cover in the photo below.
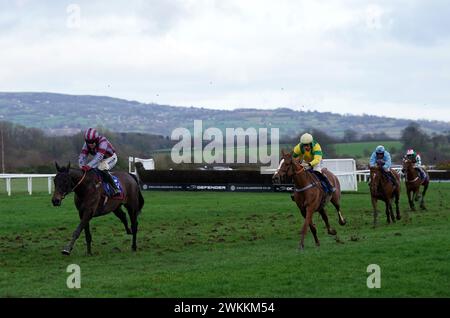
x=306, y=139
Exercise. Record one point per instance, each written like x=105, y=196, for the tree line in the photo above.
x=29, y=150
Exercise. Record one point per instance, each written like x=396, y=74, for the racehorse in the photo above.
x=381, y=188
x=413, y=183
x=310, y=196
x=91, y=201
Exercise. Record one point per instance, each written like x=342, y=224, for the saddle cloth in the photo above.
x=423, y=177
x=107, y=187
x=322, y=183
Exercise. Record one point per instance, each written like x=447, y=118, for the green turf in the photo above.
x=225, y=245
x=365, y=149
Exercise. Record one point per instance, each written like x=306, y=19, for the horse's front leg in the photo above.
x=76, y=234
x=410, y=200
x=87, y=233
x=375, y=212
x=308, y=221
x=397, y=207
x=389, y=211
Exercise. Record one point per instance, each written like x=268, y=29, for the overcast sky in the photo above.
x=389, y=58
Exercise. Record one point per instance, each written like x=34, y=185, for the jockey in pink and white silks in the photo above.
x=105, y=157
x=416, y=160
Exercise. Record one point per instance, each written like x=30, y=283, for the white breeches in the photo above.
x=108, y=164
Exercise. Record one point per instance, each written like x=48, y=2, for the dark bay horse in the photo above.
x=413, y=183
x=310, y=196
x=381, y=188
x=90, y=201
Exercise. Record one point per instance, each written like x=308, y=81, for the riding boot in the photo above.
x=421, y=173
x=111, y=182
x=394, y=179
x=330, y=189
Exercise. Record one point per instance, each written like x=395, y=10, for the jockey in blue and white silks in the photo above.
x=381, y=157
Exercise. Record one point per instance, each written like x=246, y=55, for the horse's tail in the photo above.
x=140, y=197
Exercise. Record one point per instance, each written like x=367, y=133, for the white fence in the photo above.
x=363, y=175
x=29, y=178
x=345, y=171
x=149, y=164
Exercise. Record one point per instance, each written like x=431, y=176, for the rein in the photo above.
x=417, y=178
x=309, y=186
x=411, y=181
x=79, y=182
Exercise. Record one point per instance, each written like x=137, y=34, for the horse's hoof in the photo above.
x=332, y=232
x=65, y=252
x=399, y=217
x=342, y=222
x=129, y=232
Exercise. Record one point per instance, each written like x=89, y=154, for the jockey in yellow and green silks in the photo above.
x=310, y=153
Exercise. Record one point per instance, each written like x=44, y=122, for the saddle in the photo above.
x=391, y=177
x=326, y=186
x=423, y=177
x=107, y=187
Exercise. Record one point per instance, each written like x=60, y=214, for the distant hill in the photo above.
x=59, y=114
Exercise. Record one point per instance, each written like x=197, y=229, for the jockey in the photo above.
x=310, y=152
x=105, y=157
x=415, y=158
x=381, y=157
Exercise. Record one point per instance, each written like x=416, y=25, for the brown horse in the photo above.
x=309, y=195
x=381, y=188
x=91, y=201
x=413, y=183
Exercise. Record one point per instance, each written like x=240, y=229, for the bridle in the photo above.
x=406, y=170
x=76, y=186
x=297, y=172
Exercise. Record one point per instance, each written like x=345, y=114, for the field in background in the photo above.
x=225, y=245
x=363, y=150
x=357, y=150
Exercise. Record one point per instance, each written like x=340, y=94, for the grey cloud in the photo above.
x=422, y=23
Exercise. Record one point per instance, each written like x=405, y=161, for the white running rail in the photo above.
x=29, y=177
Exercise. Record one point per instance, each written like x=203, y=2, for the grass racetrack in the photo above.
x=209, y=244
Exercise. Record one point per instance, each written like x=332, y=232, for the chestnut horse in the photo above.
x=310, y=196
x=413, y=183
x=90, y=201
x=381, y=188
